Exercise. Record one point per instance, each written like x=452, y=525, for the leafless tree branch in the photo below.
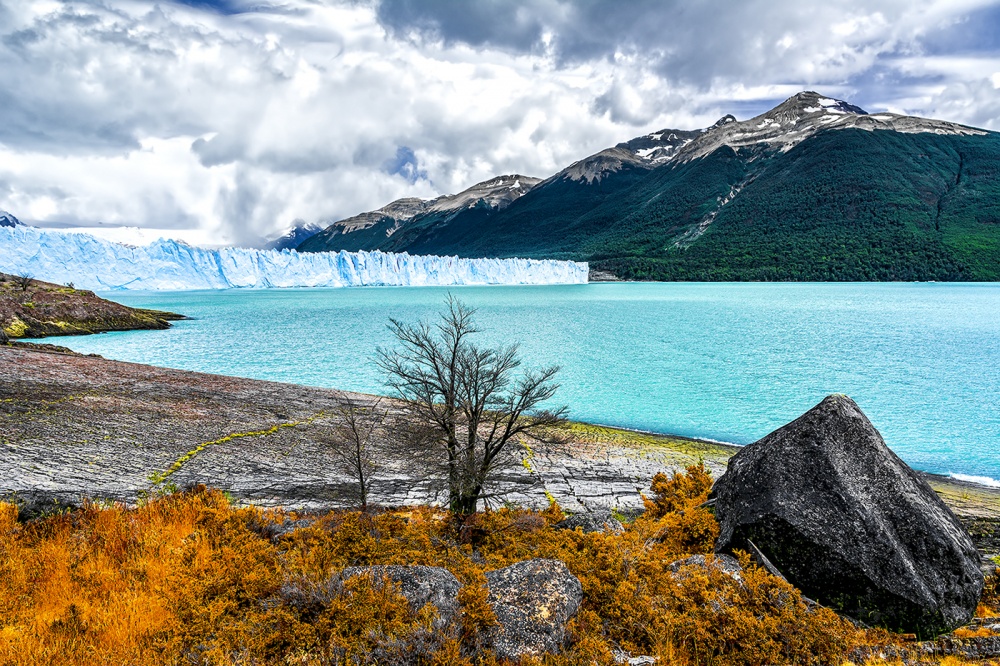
x=467, y=402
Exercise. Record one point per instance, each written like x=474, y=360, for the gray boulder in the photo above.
x=849, y=523
x=727, y=564
x=532, y=601
x=592, y=521
x=420, y=585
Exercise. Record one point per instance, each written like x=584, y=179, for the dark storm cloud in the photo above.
x=694, y=38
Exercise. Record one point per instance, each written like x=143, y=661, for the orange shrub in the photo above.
x=188, y=579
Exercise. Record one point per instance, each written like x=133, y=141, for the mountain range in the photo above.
x=814, y=189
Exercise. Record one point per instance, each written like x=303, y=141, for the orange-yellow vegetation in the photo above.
x=989, y=603
x=190, y=579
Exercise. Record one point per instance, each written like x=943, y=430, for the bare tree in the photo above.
x=353, y=442
x=468, y=399
x=23, y=281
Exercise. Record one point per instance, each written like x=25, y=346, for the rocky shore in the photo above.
x=33, y=309
x=75, y=427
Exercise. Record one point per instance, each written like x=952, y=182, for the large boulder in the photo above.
x=532, y=601
x=849, y=523
x=420, y=585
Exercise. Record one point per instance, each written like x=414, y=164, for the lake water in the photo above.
x=729, y=362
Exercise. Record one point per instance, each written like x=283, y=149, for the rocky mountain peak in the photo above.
x=292, y=236
x=801, y=116
x=497, y=192
x=724, y=120
x=809, y=101
x=8, y=219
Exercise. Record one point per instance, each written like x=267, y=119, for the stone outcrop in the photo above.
x=532, y=601
x=43, y=308
x=599, y=520
x=420, y=585
x=849, y=523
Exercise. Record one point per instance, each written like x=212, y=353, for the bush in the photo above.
x=188, y=578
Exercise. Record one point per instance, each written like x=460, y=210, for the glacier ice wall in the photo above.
x=92, y=263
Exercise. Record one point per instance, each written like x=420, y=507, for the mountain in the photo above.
x=8, y=220
x=294, y=236
x=415, y=223
x=92, y=263
x=814, y=189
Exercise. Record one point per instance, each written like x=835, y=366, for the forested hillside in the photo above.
x=815, y=189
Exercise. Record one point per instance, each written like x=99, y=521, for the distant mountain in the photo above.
x=8, y=219
x=814, y=189
x=417, y=223
x=294, y=236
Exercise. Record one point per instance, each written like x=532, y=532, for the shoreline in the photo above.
x=721, y=449
x=81, y=427
x=935, y=476
x=36, y=309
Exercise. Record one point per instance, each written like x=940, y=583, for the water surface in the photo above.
x=722, y=361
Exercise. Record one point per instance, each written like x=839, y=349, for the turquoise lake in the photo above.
x=729, y=362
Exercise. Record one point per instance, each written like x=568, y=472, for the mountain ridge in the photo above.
x=495, y=193
x=813, y=177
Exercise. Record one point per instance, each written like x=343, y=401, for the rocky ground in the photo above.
x=33, y=309
x=73, y=426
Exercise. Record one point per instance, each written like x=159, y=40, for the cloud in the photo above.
x=237, y=117
x=405, y=164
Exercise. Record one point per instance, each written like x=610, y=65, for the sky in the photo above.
x=222, y=121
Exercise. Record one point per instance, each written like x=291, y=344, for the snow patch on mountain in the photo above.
x=293, y=236
x=91, y=263
x=8, y=219
x=801, y=116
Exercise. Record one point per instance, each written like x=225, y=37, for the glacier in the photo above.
x=100, y=265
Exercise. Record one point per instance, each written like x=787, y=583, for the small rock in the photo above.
x=727, y=564
x=275, y=531
x=420, y=585
x=623, y=657
x=592, y=521
x=532, y=601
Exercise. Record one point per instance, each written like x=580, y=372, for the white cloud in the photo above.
x=231, y=126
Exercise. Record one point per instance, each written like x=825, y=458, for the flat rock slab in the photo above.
x=74, y=427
